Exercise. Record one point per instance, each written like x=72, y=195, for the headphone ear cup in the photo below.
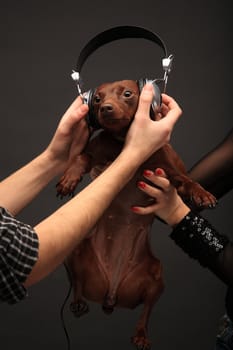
x=87, y=98
x=157, y=99
x=91, y=118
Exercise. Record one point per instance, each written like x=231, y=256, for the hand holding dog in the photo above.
x=145, y=136
x=71, y=135
x=167, y=205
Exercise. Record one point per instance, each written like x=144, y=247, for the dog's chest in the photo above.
x=103, y=150
x=119, y=226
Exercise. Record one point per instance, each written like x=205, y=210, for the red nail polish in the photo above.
x=141, y=184
x=135, y=209
x=147, y=172
x=159, y=171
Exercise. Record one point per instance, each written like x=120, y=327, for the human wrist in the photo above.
x=49, y=165
x=136, y=153
x=129, y=158
x=52, y=162
x=177, y=214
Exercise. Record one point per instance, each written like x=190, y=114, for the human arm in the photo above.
x=214, y=171
x=193, y=233
x=20, y=188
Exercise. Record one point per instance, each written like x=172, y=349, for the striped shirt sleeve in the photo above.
x=18, y=253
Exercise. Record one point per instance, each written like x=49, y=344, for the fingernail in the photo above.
x=83, y=108
x=147, y=173
x=148, y=87
x=159, y=171
x=141, y=184
x=135, y=209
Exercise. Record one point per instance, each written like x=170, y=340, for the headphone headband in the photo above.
x=116, y=33
x=121, y=32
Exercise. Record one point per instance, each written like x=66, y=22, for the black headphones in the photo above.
x=108, y=36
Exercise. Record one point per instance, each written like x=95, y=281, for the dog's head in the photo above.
x=114, y=105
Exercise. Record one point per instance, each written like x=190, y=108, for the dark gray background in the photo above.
x=39, y=47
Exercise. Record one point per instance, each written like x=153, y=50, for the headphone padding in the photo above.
x=88, y=100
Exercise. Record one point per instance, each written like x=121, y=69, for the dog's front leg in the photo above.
x=73, y=175
x=193, y=193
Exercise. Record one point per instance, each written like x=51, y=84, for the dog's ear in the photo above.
x=157, y=99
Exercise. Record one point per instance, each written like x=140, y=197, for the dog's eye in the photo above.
x=127, y=93
x=97, y=99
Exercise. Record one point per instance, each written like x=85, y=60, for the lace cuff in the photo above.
x=197, y=237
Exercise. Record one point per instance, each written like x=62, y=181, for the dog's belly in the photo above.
x=117, y=247
x=120, y=238
x=113, y=259
x=127, y=291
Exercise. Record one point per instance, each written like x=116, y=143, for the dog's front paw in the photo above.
x=204, y=199
x=196, y=196
x=67, y=184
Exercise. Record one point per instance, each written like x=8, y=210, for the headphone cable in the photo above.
x=63, y=308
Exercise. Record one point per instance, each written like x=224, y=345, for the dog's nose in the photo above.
x=107, y=108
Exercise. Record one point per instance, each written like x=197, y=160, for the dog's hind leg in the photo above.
x=153, y=288
x=78, y=306
x=110, y=301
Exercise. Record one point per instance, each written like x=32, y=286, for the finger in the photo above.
x=164, y=109
x=74, y=107
x=144, y=210
x=160, y=180
x=73, y=116
x=145, y=100
x=160, y=172
x=76, y=103
x=174, y=109
x=154, y=192
x=169, y=101
x=158, y=116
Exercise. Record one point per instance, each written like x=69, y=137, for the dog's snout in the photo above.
x=106, y=108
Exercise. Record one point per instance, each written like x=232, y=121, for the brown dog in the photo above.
x=115, y=266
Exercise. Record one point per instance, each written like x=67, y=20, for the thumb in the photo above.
x=72, y=117
x=145, y=100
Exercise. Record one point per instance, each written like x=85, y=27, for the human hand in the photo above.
x=146, y=136
x=167, y=205
x=71, y=135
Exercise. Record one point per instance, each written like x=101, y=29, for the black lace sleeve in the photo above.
x=197, y=237
x=215, y=170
